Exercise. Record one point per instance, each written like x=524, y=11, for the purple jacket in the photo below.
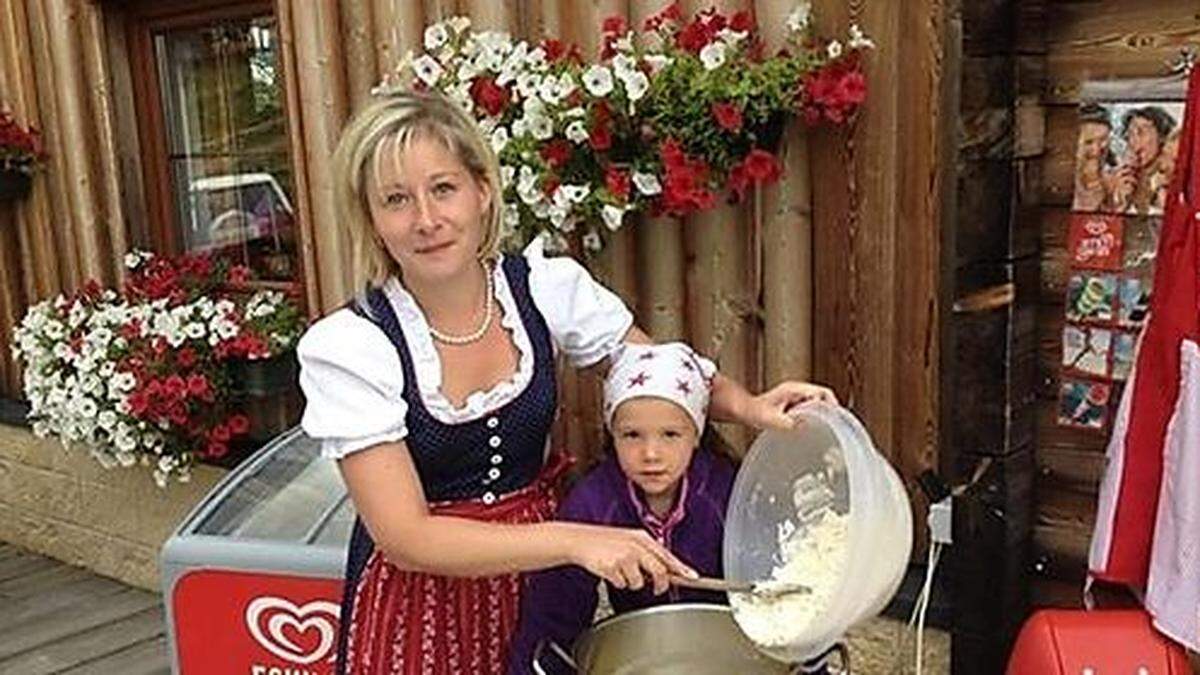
x=558, y=604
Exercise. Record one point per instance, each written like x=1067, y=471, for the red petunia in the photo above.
x=239, y=275
x=694, y=36
x=614, y=25
x=220, y=434
x=556, y=153
x=742, y=22
x=852, y=88
x=555, y=49
x=761, y=166
x=617, y=182
x=216, y=450
x=600, y=136
x=197, y=384
x=186, y=357
x=489, y=95
x=238, y=424
x=728, y=116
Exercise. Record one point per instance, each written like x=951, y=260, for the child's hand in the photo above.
x=769, y=410
x=626, y=557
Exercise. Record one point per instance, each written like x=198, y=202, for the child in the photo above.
x=660, y=476
x=656, y=478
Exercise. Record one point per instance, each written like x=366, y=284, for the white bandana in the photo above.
x=670, y=371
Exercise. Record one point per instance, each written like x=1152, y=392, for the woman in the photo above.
x=435, y=391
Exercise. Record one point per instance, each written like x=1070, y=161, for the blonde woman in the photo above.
x=435, y=392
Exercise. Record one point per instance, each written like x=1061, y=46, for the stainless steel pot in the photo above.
x=688, y=639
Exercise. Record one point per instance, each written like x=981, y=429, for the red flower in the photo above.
x=742, y=22
x=852, y=88
x=220, y=433
x=239, y=275
x=216, y=450
x=176, y=386
x=761, y=166
x=186, y=357
x=238, y=424
x=728, y=116
x=614, y=25
x=556, y=153
x=600, y=136
x=671, y=12
x=197, y=384
x=695, y=36
x=555, y=49
x=550, y=184
x=737, y=182
x=617, y=182
x=131, y=330
x=489, y=95
x=138, y=403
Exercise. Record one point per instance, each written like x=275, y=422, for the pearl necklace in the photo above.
x=477, y=334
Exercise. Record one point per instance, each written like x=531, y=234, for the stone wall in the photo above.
x=63, y=504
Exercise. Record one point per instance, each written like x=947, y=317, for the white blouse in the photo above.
x=353, y=381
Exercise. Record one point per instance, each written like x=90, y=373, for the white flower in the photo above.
x=800, y=16
x=132, y=260
x=428, y=70
x=647, y=183
x=834, y=49
x=636, y=86
x=507, y=173
x=612, y=216
x=713, y=55
x=527, y=85
x=623, y=65
x=512, y=216
x=592, y=242
x=657, y=62
x=459, y=23
x=549, y=90
x=541, y=127
x=731, y=37
x=858, y=39
x=107, y=420
x=194, y=330
x=499, y=139
x=436, y=36
x=576, y=132
x=598, y=80
x=573, y=193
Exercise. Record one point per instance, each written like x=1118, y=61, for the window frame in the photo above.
x=144, y=18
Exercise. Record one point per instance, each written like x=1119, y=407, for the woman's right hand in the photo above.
x=624, y=557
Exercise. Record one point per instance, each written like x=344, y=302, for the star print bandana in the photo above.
x=670, y=371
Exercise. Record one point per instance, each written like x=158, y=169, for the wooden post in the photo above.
x=358, y=32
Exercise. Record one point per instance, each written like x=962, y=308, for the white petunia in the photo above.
x=459, y=23
x=713, y=55
x=800, y=16
x=576, y=132
x=549, y=91
x=858, y=39
x=623, y=65
x=636, y=86
x=598, y=80
x=512, y=217
x=592, y=242
x=574, y=193
x=428, y=70
x=613, y=215
x=834, y=49
x=499, y=139
x=647, y=183
x=436, y=36
x=107, y=420
x=507, y=173
x=132, y=260
x=732, y=37
x=541, y=126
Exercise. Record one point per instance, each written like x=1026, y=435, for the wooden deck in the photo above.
x=55, y=618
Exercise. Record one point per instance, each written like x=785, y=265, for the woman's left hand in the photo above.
x=769, y=410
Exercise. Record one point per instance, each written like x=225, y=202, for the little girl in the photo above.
x=660, y=476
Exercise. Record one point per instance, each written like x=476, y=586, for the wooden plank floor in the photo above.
x=55, y=618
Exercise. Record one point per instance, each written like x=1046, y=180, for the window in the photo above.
x=214, y=134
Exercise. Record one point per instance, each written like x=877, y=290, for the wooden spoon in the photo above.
x=766, y=589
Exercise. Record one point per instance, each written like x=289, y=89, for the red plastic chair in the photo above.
x=1103, y=642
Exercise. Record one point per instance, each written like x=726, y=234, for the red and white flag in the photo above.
x=1147, y=532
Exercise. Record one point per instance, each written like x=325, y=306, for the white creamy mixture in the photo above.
x=812, y=555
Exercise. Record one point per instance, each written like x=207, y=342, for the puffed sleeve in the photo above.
x=353, y=384
x=587, y=321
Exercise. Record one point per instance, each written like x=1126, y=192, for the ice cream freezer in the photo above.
x=252, y=578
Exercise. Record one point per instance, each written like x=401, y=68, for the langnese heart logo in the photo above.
x=301, y=635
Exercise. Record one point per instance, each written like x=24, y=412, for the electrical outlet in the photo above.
x=941, y=521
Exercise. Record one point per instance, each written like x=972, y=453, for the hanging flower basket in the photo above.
x=14, y=185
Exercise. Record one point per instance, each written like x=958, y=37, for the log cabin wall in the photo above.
x=1081, y=41
x=862, y=316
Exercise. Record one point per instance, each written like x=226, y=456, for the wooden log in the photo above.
x=306, y=235
x=125, y=130
x=83, y=246
x=399, y=29
x=440, y=10
x=492, y=15
x=1058, y=163
x=103, y=126
x=784, y=254
x=660, y=260
x=322, y=99
x=357, y=37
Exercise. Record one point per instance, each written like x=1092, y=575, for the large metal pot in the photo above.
x=688, y=639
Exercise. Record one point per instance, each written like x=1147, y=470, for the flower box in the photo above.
x=14, y=184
